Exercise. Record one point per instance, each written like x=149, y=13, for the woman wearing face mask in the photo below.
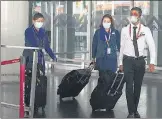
x=106, y=42
x=35, y=36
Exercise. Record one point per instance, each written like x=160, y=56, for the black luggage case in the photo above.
x=107, y=99
x=73, y=82
x=40, y=90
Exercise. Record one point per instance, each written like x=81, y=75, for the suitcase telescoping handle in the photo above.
x=91, y=66
x=118, y=72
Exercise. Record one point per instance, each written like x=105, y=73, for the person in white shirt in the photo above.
x=134, y=39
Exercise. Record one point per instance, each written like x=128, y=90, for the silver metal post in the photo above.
x=52, y=30
x=0, y=87
x=83, y=63
x=20, y=47
x=89, y=29
x=13, y=106
x=52, y=25
x=33, y=82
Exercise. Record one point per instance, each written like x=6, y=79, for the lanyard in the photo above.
x=39, y=40
x=137, y=36
x=107, y=40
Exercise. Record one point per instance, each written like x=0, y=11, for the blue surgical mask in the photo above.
x=106, y=25
x=38, y=24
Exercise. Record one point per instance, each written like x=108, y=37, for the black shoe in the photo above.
x=131, y=115
x=137, y=115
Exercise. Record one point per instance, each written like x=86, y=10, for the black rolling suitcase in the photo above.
x=106, y=98
x=40, y=90
x=73, y=82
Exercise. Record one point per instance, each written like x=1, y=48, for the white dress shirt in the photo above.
x=144, y=41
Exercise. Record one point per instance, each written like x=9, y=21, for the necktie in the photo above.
x=135, y=42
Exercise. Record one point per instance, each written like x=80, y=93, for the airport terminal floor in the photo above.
x=150, y=105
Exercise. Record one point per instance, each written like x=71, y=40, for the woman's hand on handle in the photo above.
x=54, y=60
x=121, y=68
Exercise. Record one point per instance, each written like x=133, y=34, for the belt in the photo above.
x=134, y=58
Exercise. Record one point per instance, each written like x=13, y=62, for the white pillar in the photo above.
x=155, y=32
x=14, y=21
x=89, y=28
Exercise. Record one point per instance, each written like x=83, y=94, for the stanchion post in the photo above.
x=22, y=79
x=33, y=83
x=83, y=58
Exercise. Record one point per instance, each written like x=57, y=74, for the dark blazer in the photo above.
x=98, y=45
x=106, y=61
x=35, y=38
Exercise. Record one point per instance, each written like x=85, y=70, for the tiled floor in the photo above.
x=150, y=105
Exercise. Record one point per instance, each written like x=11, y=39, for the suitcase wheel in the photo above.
x=43, y=111
x=73, y=98
x=93, y=110
x=60, y=99
x=26, y=114
x=35, y=110
x=43, y=107
x=108, y=110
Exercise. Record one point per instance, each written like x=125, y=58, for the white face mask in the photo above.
x=38, y=24
x=106, y=25
x=134, y=19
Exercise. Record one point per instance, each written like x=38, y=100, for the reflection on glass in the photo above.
x=144, y=5
x=70, y=21
x=119, y=10
x=143, y=101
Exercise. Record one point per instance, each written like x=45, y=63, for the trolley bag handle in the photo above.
x=118, y=72
x=91, y=66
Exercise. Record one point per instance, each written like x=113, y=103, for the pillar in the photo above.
x=14, y=21
x=159, y=44
x=70, y=31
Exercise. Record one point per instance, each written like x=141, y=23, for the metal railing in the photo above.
x=33, y=83
x=20, y=60
x=82, y=60
x=34, y=70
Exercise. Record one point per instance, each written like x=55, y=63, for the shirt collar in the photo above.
x=132, y=25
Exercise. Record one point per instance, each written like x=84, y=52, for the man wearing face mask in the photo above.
x=134, y=39
x=35, y=36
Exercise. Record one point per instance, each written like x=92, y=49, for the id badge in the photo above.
x=43, y=50
x=108, y=50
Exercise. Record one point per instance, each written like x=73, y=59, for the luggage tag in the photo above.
x=108, y=49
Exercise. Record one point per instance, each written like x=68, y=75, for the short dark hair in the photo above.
x=37, y=16
x=137, y=9
x=111, y=19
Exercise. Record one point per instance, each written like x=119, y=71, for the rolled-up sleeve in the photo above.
x=94, y=45
x=151, y=44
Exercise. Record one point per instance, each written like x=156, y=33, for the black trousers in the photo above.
x=134, y=70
